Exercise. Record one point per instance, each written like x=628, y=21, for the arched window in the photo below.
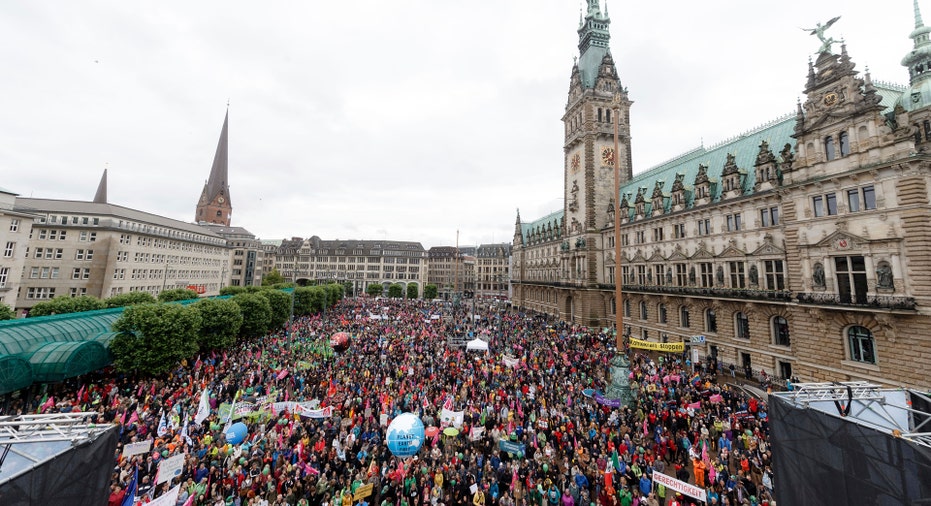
x=781, y=331
x=741, y=326
x=862, y=346
x=643, y=310
x=599, y=114
x=844, y=144
x=829, y=148
x=711, y=321
x=662, y=313
x=608, y=115
x=627, y=308
x=684, y=317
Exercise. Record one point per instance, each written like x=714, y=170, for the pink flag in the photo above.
x=716, y=398
x=646, y=432
x=190, y=500
x=283, y=374
x=48, y=404
x=695, y=405
x=704, y=453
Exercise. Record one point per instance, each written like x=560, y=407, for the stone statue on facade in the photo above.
x=817, y=275
x=884, y=277
x=754, y=275
x=719, y=276
x=819, y=30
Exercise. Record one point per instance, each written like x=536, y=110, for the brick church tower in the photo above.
x=214, y=205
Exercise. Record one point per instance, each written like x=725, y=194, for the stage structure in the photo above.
x=851, y=443
x=55, y=459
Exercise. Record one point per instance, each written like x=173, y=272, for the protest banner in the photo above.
x=137, y=448
x=679, y=486
x=664, y=347
x=363, y=491
x=170, y=468
x=454, y=418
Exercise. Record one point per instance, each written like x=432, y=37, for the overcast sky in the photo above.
x=377, y=119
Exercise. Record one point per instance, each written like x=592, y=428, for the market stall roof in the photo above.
x=477, y=345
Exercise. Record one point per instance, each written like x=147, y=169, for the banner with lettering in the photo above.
x=611, y=403
x=326, y=412
x=454, y=418
x=680, y=486
x=664, y=347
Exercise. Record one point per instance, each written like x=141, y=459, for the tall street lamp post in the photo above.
x=620, y=364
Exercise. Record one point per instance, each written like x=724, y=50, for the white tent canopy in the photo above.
x=477, y=344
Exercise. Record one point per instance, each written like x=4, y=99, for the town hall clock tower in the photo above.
x=597, y=102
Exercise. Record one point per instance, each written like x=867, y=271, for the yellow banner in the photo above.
x=363, y=491
x=648, y=345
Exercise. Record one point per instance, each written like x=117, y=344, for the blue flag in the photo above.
x=130, y=498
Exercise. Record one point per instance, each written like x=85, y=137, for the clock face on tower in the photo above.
x=221, y=200
x=607, y=156
x=576, y=161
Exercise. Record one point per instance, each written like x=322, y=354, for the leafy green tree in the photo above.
x=412, y=290
x=256, y=314
x=334, y=293
x=395, y=290
x=65, y=304
x=308, y=300
x=429, y=292
x=375, y=290
x=6, y=312
x=232, y=290
x=129, y=299
x=280, y=304
x=177, y=294
x=272, y=278
x=154, y=338
x=220, y=323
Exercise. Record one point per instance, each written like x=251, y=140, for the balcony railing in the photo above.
x=735, y=293
x=871, y=301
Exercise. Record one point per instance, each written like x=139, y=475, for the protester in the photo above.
x=533, y=390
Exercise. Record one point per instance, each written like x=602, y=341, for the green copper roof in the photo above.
x=594, y=37
x=552, y=221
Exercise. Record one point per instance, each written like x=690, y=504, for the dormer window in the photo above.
x=640, y=209
x=677, y=199
x=701, y=192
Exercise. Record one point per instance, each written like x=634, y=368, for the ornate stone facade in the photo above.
x=801, y=247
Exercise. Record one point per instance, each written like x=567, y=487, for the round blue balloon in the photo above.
x=236, y=433
x=405, y=435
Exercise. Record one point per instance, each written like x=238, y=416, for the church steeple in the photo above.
x=101, y=196
x=594, y=37
x=214, y=205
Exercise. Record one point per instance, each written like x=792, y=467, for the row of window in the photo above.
x=707, y=275
x=779, y=327
x=74, y=220
x=858, y=199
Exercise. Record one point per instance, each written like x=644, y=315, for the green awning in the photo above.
x=15, y=374
x=58, y=361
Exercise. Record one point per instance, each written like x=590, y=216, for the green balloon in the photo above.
x=546, y=468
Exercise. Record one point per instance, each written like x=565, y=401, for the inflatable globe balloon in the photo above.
x=339, y=341
x=405, y=435
x=236, y=433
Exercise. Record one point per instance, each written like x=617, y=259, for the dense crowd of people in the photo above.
x=533, y=429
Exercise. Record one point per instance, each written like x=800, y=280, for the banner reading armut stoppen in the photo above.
x=648, y=345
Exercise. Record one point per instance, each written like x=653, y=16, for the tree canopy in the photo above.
x=153, y=338
x=256, y=314
x=65, y=304
x=129, y=299
x=220, y=323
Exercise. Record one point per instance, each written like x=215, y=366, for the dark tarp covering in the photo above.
x=78, y=476
x=824, y=459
